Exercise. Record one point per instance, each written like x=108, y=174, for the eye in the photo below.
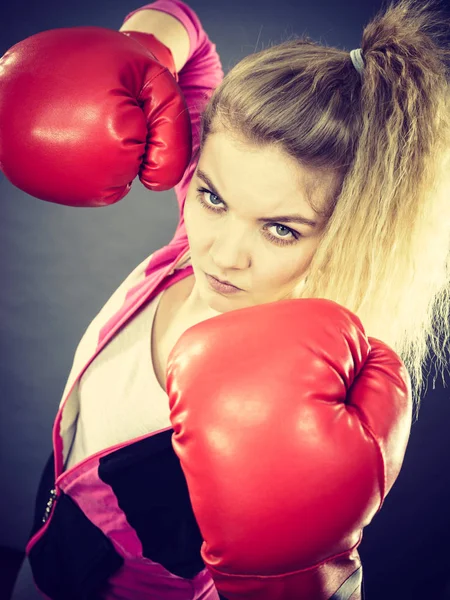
x=281, y=241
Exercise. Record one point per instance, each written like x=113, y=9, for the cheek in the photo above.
x=286, y=275
x=194, y=222
x=188, y=214
x=198, y=226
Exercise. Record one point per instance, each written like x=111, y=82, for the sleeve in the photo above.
x=201, y=74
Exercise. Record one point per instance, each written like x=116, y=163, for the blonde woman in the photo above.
x=239, y=409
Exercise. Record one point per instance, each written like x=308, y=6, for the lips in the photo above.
x=225, y=282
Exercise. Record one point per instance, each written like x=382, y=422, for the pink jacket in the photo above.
x=85, y=542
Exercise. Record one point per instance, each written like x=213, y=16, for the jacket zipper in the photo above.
x=49, y=505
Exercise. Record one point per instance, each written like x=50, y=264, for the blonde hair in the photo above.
x=384, y=252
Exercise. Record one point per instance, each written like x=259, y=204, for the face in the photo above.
x=232, y=215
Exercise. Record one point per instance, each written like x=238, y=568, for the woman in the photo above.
x=338, y=140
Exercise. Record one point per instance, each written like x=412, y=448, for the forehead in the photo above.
x=226, y=154
x=239, y=168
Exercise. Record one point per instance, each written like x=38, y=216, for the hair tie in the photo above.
x=357, y=60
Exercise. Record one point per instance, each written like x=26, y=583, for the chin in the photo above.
x=217, y=305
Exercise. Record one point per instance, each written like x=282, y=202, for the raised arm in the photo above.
x=166, y=28
x=199, y=76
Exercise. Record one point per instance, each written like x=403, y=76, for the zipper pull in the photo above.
x=49, y=504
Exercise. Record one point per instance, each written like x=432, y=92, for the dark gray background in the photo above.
x=59, y=265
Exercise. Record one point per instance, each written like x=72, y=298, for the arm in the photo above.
x=166, y=28
x=200, y=75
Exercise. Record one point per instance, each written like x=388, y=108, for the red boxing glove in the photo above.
x=291, y=427
x=84, y=110
x=159, y=50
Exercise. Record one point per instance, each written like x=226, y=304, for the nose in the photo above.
x=231, y=251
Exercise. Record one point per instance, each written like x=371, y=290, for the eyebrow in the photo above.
x=282, y=219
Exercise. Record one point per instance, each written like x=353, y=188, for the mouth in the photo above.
x=224, y=282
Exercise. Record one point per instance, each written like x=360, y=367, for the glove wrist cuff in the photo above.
x=159, y=50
